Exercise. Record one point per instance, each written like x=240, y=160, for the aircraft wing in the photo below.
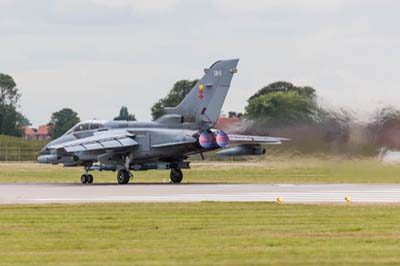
x=187, y=141
x=247, y=139
x=102, y=141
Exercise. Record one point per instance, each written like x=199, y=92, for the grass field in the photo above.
x=19, y=149
x=298, y=170
x=17, y=142
x=206, y=233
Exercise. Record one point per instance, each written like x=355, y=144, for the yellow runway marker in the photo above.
x=279, y=200
x=347, y=199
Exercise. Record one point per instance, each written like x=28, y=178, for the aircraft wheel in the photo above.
x=84, y=179
x=89, y=179
x=123, y=177
x=176, y=175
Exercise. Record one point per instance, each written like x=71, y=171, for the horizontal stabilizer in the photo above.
x=242, y=150
x=243, y=139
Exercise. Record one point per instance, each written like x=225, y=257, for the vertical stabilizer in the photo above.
x=204, y=102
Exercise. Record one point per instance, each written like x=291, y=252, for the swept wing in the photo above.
x=101, y=141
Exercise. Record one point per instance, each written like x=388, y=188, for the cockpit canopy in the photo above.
x=86, y=125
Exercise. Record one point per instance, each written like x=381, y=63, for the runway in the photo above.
x=291, y=193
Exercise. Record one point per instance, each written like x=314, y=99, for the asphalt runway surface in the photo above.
x=31, y=193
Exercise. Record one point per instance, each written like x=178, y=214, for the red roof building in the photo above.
x=42, y=133
x=225, y=123
x=29, y=133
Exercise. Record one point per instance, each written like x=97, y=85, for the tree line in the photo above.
x=278, y=105
x=284, y=109
x=11, y=121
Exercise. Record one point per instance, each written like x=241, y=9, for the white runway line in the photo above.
x=291, y=193
x=357, y=196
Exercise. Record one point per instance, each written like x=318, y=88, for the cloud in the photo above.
x=5, y=2
x=346, y=49
x=289, y=5
x=142, y=6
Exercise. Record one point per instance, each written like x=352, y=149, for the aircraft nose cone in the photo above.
x=45, y=150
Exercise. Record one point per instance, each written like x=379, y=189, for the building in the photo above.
x=42, y=133
x=29, y=133
x=227, y=123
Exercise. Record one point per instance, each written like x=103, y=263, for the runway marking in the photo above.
x=291, y=193
x=289, y=197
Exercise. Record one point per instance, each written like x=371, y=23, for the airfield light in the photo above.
x=279, y=200
x=347, y=199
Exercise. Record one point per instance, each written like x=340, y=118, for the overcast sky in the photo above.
x=95, y=56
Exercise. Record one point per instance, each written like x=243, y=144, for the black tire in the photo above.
x=84, y=179
x=123, y=177
x=176, y=175
x=89, y=179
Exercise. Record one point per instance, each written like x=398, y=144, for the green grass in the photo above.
x=19, y=149
x=288, y=170
x=9, y=141
x=199, y=234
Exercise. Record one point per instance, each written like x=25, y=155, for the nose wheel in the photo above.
x=176, y=175
x=123, y=177
x=86, y=179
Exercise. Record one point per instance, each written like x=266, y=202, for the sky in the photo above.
x=95, y=56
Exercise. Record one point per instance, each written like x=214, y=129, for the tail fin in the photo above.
x=204, y=102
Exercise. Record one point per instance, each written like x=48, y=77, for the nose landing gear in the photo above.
x=86, y=179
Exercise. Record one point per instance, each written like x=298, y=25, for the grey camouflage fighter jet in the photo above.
x=166, y=143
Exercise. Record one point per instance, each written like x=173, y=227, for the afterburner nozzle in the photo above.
x=206, y=140
x=222, y=139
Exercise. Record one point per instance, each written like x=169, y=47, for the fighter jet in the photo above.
x=165, y=144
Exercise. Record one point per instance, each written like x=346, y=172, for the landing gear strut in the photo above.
x=123, y=176
x=176, y=175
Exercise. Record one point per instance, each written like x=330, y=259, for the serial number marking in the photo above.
x=217, y=73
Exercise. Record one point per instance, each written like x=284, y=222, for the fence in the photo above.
x=18, y=154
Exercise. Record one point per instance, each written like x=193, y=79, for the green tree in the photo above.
x=384, y=127
x=125, y=115
x=282, y=108
x=11, y=121
x=174, y=97
x=22, y=120
x=284, y=86
x=9, y=93
x=62, y=121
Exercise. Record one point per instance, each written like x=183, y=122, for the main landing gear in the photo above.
x=176, y=175
x=123, y=176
